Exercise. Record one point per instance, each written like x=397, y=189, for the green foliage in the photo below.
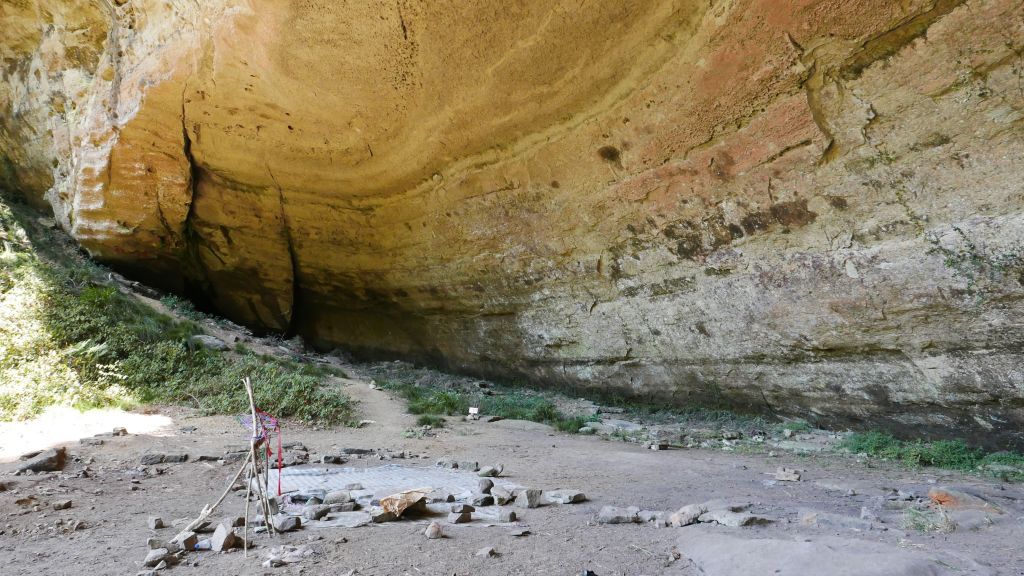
x=951, y=454
x=432, y=420
x=516, y=405
x=66, y=337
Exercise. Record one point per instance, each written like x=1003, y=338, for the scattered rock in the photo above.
x=467, y=465
x=489, y=472
x=613, y=515
x=487, y=552
x=284, y=555
x=434, y=531
x=586, y=430
x=316, y=511
x=460, y=508
x=175, y=458
x=731, y=434
x=380, y=516
x=365, y=423
x=332, y=459
x=51, y=460
x=566, y=496
x=91, y=441
x=483, y=500
x=155, y=557
x=657, y=518
x=224, y=538
x=787, y=475
x=687, y=515
x=506, y=515
x=285, y=523
x=459, y=517
x=155, y=522
x=119, y=432
x=733, y=519
x=207, y=341
x=151, y=459
x=528, y=498
x=185, y=540
x=62, y=505
x=519, y=532
x=960, y=500
x=484, y=485
x=501, y=495
x=338, y=497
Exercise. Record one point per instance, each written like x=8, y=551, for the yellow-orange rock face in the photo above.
x=809, y=207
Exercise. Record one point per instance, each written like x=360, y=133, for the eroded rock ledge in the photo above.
x=811, y=211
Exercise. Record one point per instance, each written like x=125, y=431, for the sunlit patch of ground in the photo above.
x=60, y=425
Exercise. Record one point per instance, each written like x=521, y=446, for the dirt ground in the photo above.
x=115, y=500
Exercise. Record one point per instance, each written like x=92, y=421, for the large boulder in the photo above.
x=808, y=209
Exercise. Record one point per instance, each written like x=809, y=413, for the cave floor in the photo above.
x=115, y=500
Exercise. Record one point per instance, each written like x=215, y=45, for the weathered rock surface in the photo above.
x=813, y=209
x=722, y=555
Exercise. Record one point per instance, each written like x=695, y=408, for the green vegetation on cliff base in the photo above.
x=951, y=454
x=68, y=336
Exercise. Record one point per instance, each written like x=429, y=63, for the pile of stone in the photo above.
x=727, y=514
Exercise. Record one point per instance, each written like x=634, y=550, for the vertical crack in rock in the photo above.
x=293, y=322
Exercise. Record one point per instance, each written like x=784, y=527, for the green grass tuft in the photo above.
x=950, y=454
x=432, y=420
x=69, y=338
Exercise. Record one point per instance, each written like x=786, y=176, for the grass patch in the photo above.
x=68, y=337
x=428, y=402
x=928, y=520
x=432, y=420
x=951, y=454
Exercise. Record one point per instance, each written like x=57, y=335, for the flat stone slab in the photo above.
x=720, y=554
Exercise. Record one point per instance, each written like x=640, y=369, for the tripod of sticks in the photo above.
x=253, y=468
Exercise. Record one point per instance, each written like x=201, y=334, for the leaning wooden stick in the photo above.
x=208, y=509
x=256, y=435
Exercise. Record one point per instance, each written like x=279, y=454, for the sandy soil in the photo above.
x=563, y=540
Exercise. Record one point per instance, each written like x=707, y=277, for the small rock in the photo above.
x=487, y=552
x=338, y=497
x=484, y=485
x=223, y=538
x=506, y=515
x=151, y=459
x=51, y=460
x=434, y=531
x=732, y=519
x=483, y=500
x=156, y=543
x=566, y=496
x=501, y=495
x=519, y=532
x=62, y=505
x=155, y=557
x=119, y=431
x=365, y=423
x=285, y=523
x=655, y=517
x=528, y=498
x=686, y=515
x=175, y=458
x=381, y=516
x=787, y=433
x=460, y=508
x=459, y=517
x=155, y=522
x=488, y=472
x=207, y=341
x=731, y=434
x=959, y=500
x=787, y=475
x=316, y=511
x=586, y=430
x=467, y=465
x=91, y=441
x=185, y=540
x=613, y=515
x=332, y=460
